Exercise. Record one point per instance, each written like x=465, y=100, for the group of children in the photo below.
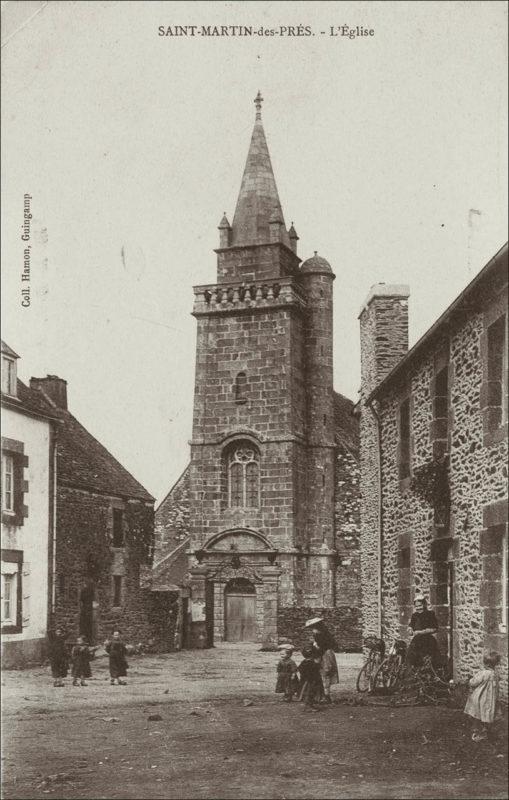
x=80, y=656
x=303, y=681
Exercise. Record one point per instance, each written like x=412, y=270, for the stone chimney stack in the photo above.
x=54, y=388
x=384, y=341
x=384, y=332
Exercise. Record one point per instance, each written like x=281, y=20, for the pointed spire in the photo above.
x=225, y=232
x=292, y=235
x=258, y=105
x=258, y=199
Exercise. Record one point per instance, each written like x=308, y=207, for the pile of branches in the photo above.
x=427, y=686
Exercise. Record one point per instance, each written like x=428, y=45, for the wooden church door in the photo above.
x=240, y=611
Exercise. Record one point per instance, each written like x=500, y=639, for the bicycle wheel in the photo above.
x=364, y=676
x=387, y=674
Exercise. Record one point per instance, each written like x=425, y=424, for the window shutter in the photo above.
x=25, y=609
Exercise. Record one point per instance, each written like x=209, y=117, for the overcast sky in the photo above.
x=388, y=150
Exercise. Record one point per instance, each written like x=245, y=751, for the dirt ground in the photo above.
x=219, y=731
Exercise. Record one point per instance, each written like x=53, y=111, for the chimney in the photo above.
x=54, y=388
x=384, y=332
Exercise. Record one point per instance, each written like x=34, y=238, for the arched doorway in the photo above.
x=240, y=611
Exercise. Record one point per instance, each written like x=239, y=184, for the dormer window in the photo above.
x=9, y=376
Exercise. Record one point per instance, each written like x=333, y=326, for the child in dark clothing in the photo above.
x=58, y=656
x=310, y=679
x=116, y=650
x=81, y=655
x=286, y=673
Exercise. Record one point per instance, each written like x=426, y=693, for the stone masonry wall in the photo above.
x=384, y=340
x=171, y=518
x=344, y=622
x=417, y=552
x=85, y=557
x=347, y=528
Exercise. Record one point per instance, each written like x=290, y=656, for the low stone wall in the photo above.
x=344, y=622
x=23, y=653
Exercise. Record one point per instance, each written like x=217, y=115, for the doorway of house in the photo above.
x=240, y=611
x=87, y=614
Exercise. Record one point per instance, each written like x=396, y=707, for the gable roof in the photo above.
x=30, y=402
x=492, y=278
x=8, y=350
x=346, y=425
x=84, y=463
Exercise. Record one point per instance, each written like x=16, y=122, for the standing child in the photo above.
x=482, y=700
x=286, y=673
x=310, y=679
x=116, y=650
x=58, y=656
x=81, y=655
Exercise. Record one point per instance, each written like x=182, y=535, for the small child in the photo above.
x=482, y=700
x=80, y=656
x=286, y=673
x=58, y=656
x=311, y=680
x=116, y=650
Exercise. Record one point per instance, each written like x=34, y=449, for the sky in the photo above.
x=389, y=153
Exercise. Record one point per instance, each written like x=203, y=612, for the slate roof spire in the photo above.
x=258, y=199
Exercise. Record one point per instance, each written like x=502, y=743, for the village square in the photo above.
x=309, y=535
x=254, y=401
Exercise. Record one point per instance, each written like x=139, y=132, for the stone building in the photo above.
x=261, y=530
x=28, y=491
x=434, y=467
x=103, y=536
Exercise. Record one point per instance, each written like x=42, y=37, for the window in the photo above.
x=9, y=376
x=243, y=476
x=7, y=483
x=404, y=439
x=118, y=527
x=11, y=600
x=14, y=487
x=240, y=388
x=117, y=590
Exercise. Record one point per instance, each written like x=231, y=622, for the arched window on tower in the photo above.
x=240, y=388
x=243, y=475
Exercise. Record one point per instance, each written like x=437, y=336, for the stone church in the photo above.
x=261, y=531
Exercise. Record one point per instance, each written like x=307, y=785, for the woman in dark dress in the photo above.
x=116, y=650
x=58, y=656
x=81, y=655
x=324, y=645
x=310, y=679
x=423, y=625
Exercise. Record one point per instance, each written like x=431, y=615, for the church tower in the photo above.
x=261, y=477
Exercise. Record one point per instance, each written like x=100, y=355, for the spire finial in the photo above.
x=258, y=104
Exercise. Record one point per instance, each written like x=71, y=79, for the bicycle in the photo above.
x=389, y=672
x=375, y=657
